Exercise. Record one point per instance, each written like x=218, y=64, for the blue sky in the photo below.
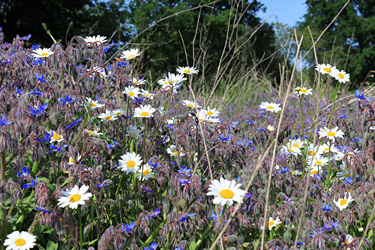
x=286, y=11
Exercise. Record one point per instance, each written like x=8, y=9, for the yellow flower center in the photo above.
x=186, y=71
x=210, y=113
x=56, y=136
x=347, y=175
x=92, y=104
x=108, y=117
x=326, y=149
x=136, y=82
x=331, y=134
x=303, y=90
x=131, y=56
x=71, y=160
x=131, y=94
x=20, y=242
x=64, y=171
x=327, y=70
x=343, y=202
x=293, y=172
x=271, y=223
x=118, y=113
x=318, y=162
x=226, y=193
x=291, y=150
x=166, y=82
x=347, y=242
x=175, y=152
x=146, y=172
x=341, y=75
x=190, y=105
x=75, y=198
x=270, y=107
x=91, y=132
x=147, y=95
x=130, y=164
x=314, y=172
x=44, y=54
x=296, y=145
x=346, y=168
x=145, y=114
x=133, y=135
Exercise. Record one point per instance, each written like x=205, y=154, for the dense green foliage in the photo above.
x=349, y=42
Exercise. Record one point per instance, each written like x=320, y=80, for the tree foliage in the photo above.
x=349, y=42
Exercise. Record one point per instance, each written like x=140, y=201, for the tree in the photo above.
x=26, y=17
x=349, y=42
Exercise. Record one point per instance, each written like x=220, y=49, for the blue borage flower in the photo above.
x=68, y=100
x=184, y=217
x=35, y=47
x=122, y=64
x=44, y=210
x=184, y=171
x=139, y=100
x=109, y=46
x=19, y=92
x=47, y=137
x=3, y=122
x=24, y=172
x=39, y=111
x=214, y=217
x=326, y=207
x=32, y=184
x=361, y=97
x=128, y=227
x=154, y=214
x=40, y=78
x=184, y=181
x=100, y=185
x=223, y=138
x=155, y=165
x=111, y=146
x=56, y=149
x=26, y=38
x=35, y=92
x=73, y=124
x=152, y=246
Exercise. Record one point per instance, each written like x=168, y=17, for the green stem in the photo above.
x=80, y=229
x=221, y=219
x=182, y=94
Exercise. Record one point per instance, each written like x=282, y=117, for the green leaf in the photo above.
x=370, y=234
x=193, y=245
x=52, y=245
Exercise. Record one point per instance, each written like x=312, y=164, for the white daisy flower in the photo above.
x=100, y=70
x=138, y=81
x=313, y=150
x=72, y=161
x=93, y=132
x=211, y=119
x=42, y=52
x=303, y=91
x=211, y=112
x=74, y=197
x=134, y=132
x=130, y=162
x=343, y=167
x=343, y=174
x=315, y=170
x=175, y=79
x=296, y=172
x=119, y=112
x=325, y=68
x=144, y=111
x=161, y=110
x=319, y=161
x=145, y=172
x=339, y=156
x=349, y=239
x=296, y=143
x=187, y=70
x=272, y=223
x=341, y=76
x=56, y=137
x=271, y=128
x=225, y=192
x=132, y=92
x=202, y=116
x=330, y=133
x=147, y=94
x=172, y=151
x=190, y=104
x=326, y=148
x=270, y=106
x=95, y=39
x=92, y=103
x=344, y=202
x=290, y=149
x=130, y=54
x=20, y=241
x=163, y=82
x=108, y=116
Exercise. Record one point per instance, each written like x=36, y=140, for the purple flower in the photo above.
x=154, y=214
x=3, y=122
x=128, y=227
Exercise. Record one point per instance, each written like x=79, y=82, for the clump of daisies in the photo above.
x=339, y=75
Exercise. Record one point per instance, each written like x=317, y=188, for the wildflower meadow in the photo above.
x=96, y=156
